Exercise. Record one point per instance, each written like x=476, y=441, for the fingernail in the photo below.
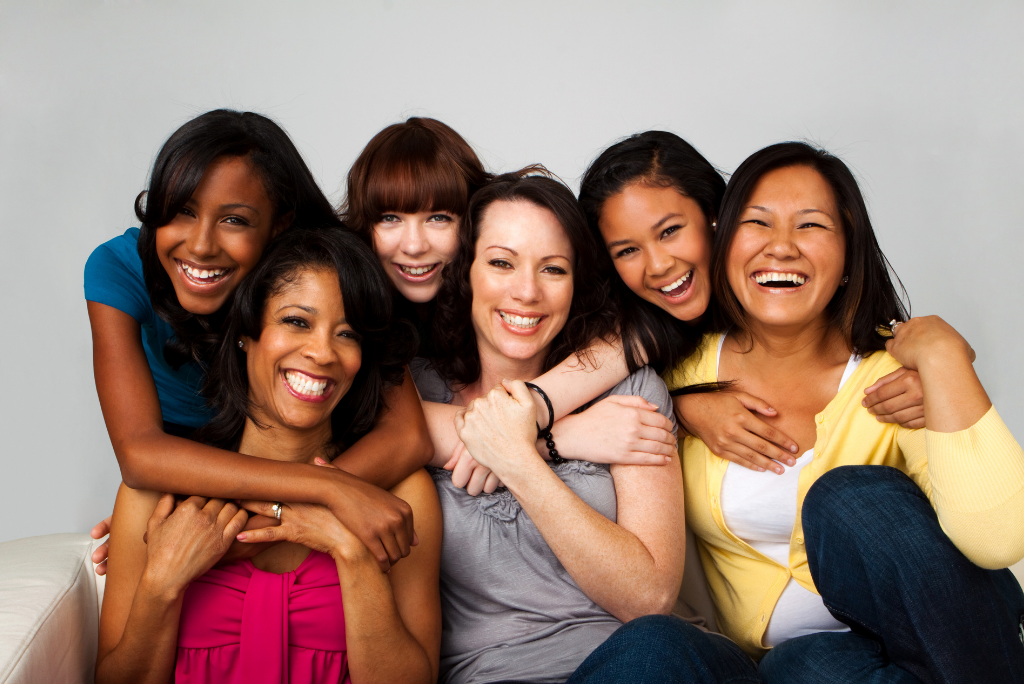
x=320, y=461
x=793, y=448
x=778, y=471
x=771, y=409
x=240, y=537
x=668, y=459
x=790, y=462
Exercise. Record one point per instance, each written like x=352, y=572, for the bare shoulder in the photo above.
x=418, y=491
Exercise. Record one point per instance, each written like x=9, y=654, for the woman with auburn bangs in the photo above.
x=880, y=558
x=308, y=352
x=407, y=193
x=222, y=186
x=538, y=579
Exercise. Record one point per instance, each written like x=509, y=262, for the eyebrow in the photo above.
x=307, y=309
x=515, y=253
x=802, y=211
x=656, y=226
x=238, y=205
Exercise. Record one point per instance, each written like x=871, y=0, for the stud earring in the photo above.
x=714, y=224
x=846, y=279
x=241, y=345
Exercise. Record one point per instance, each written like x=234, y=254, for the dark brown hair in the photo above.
x=177, y=172
x=387, y=345
x=664, y=160
x=869, y=296
x=591, y=317
x=419, y=165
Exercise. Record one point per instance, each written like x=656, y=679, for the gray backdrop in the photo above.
x=922, y=99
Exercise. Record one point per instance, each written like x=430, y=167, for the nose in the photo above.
x=525, y=287
x=659, y=261
x=319, y=348
x=202, y=240
x=414, y=238
x=781, y=244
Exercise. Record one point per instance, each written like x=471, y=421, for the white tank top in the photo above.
x=760, y=509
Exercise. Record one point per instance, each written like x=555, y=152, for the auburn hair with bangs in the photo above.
x=418, y=165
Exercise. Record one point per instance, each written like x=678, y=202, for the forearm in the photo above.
x=954, y=399
x=148, y=647
x=441, y=424
x=572, y=384
x=397, y=446
x=380, y=647
x=609, y=563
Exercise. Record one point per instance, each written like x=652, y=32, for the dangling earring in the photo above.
x=241, y=345
x=846, y=279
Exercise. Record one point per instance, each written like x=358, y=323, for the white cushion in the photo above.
x=48, y=610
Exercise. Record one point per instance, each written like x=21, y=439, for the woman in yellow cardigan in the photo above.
x=877, y=557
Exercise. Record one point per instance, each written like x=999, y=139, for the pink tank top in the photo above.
x=241, y=624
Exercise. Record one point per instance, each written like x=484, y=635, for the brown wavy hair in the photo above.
x=419, y=165
x=591, y=314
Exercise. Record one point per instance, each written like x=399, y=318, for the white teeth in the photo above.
x=519, y=321
x=203, y=273
x=669, y=288
x=304, y=384
x=417, y=270
x=771, y=276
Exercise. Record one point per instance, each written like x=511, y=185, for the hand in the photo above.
x=311, y=525
x=183, y=543
x=241, y=551
x=99, y=556
x=467, y=473
x=928, y=338
x=897, y=398
x=380, y=520
x=728, y=425
x=618, y=429
x=499, y=428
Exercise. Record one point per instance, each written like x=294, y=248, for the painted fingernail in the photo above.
x=240, y=537
x=793, y=448
x=778, y=471
x=790, y=462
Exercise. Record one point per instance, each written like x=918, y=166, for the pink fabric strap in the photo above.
x=264, y=642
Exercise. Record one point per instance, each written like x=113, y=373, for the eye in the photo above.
x=625, y=251
x=350, y=335
x=440, y=218
x=670, y=231
x=810, y=224
x=186, y=211
x=555, y=270
x=756, y=222
x=500, y=263
x=389, y=218
x=236, y=221
x=295, y=321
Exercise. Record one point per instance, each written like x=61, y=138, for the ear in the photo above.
x=281, y=223
x=244, y=342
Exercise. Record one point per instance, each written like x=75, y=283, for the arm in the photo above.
x=392, y=621
x=630, y=568
x=151, y=459
x=974, y=466
x=146, y=583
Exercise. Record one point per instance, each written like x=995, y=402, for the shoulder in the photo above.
x=121, y=251
x=647, y=384
x=114, y=276
x=419, y=492
x=431, y=386
x=699, y=367
x=876, y=365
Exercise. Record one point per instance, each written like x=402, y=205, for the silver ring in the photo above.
x=893, y=324
x=277, y=510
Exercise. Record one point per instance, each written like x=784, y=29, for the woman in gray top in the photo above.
x=537, y=576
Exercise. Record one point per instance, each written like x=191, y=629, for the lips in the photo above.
x=307, y=387
x=203, y=278
x=417, y=274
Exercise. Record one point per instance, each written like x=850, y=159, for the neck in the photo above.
x=798, y=345
x=494, y=368
x=285, y=444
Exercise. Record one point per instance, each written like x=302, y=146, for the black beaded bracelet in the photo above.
x=545, y=433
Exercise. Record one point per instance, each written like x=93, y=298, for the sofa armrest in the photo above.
x=49, y=614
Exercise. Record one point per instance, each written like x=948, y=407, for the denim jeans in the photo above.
x=919, y=610
x=661, y=649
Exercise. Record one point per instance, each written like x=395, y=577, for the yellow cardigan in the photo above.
x=974, y=479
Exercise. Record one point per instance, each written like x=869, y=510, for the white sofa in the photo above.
x=50, y=599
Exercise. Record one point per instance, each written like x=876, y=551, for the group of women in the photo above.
x=286, y=369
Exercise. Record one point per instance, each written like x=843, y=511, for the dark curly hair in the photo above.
x=591, y=317
x=178, y=170
x=387, y=345
x=663, y=160
x=869, y=296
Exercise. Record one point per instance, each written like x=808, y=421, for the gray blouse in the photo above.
x=510, y=610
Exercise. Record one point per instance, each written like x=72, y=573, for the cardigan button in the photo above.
x=799, y=540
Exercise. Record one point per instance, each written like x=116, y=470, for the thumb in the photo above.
x=885, y=380
x=519, y=391
x=164, y=508
x=631, y=401
x=752, y=403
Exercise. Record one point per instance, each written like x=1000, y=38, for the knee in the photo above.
x=848, y=494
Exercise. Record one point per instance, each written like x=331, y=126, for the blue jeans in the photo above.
x=919, y=610
x=661, y=649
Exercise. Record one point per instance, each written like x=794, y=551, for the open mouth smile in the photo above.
x=779, y=280
x=417, y=274
x=520, y=324
x=680, y=287
x=307, y=387
x=203, y=276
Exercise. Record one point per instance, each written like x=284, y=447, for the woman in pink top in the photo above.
x=308, y=352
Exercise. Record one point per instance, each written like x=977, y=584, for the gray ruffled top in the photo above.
x=510, y=610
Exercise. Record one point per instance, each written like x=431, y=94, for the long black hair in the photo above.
x=178, y=170
x=656, y=159
x=590, y=315
x=869, y=296
x=387, y=345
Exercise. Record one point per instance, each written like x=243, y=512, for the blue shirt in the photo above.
x=113, y=276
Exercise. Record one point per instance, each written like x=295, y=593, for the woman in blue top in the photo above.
x=222, y=186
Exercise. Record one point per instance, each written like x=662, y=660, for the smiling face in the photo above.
x=414, y=248
x=660, y=243
x=218, y=236
x=787, y=257
x=522, y=281
x=306, y=357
